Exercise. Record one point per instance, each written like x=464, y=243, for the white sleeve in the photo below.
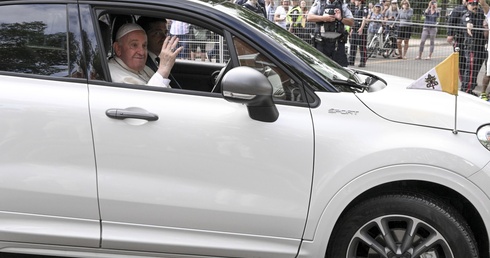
x=159, y=81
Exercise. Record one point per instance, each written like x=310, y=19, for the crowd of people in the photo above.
x=333, y=23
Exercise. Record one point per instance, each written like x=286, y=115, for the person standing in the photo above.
x=404, y=28
x=358, y=37
x=486, y=78
x=370, y=7
x=294, y=18
x=270, y=9
x=429, y=30
x=375, y=22
x=181, y=30
x=280, y=14
x=306, y=26
x=474, y=41
x=390, y=18
x=330, y=17
x=242, y=2
x=455, y=35
x=256, y=7
x=385, y=6
x=199, y=40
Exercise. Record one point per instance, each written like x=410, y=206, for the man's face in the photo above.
x=131, y=48
x=156, y=35
x=472, y=6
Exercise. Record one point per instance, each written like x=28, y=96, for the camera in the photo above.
x=329, y=11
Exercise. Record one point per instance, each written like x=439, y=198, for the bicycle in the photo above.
x=386, y=40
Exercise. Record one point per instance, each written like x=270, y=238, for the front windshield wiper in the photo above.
x=351, y=84
x=371, y=78
x=371, y=82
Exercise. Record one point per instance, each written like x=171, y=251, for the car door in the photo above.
x=203, y=178
x=48, y=189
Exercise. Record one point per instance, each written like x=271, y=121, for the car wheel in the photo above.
x=402, y=225
x=373, y=48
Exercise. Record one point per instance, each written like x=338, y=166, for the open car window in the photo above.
x=205, y=56
x=284, y=87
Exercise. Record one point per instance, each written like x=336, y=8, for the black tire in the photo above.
x=359, y=233
x=388, y=49
x=373, y=48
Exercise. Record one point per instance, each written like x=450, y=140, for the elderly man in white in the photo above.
x=128, y=66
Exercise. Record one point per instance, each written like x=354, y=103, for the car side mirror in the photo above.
x=248, y=86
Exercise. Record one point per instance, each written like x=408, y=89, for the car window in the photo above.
x=34, y=39
x=284, y=87
x=204, y=53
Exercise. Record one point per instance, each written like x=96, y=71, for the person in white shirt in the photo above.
x=280, y=14
x=129, y=64
x=270, y=9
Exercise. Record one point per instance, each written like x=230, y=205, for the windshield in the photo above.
x=323, y=65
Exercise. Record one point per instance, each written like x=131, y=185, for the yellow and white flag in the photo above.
x=443, y=77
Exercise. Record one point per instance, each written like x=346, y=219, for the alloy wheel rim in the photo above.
x=398, y=236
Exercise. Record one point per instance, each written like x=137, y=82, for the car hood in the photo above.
x=426, y=107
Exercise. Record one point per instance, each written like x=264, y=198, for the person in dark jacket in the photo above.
x=330, y=17
x=358, y=36
x=474, y=41
x=455, y=34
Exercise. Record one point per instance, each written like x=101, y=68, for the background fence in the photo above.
x=410, y=67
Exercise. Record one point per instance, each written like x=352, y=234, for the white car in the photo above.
x=270, y=150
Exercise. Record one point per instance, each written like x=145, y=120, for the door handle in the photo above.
x=117, y=113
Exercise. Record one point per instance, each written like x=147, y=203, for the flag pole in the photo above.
x=455, y=130
x=455, y=84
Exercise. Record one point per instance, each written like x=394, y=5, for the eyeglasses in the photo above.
x=474, y=3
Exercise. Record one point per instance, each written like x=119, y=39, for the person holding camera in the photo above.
x=330, y=35
x=429, y=30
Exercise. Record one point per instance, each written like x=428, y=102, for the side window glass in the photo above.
x=34, y=39
x=200, y=44
x=205, y=52
x=283, y=86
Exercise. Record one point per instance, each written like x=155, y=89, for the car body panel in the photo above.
x=202, y=242
x=426, y=107
x=398, y=144
x=204, y=165
x=47, y=162
x=206, y=179
x=473, y=192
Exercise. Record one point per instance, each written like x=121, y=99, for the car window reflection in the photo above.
x=37, y=43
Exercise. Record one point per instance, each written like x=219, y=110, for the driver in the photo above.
x=129, y=64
